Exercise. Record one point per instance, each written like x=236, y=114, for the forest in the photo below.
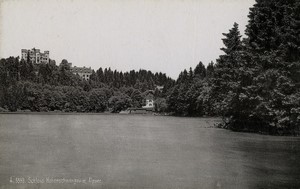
x=48, y=87
x=254, y=85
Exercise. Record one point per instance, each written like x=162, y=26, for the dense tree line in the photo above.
x=255, y=84
x=48, y=87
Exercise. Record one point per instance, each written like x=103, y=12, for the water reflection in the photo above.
x=144, y=152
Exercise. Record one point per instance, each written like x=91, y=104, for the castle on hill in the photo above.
x=35, y=55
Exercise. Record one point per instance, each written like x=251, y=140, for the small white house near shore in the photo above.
x=149, y=102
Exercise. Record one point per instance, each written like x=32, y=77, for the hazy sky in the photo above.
x=158, y=35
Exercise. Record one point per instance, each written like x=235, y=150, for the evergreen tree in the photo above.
x=265, y=99
x=226, y=70
x=200, y=70
x=210, y=70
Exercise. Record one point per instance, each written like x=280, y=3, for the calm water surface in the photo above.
x=136, y=151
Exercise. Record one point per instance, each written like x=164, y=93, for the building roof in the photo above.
x=149, y=97
x=159, y=87
x=81, y=69
x=33, y=50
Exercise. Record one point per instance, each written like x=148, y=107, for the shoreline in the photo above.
x=58, y=113
x=107, y=113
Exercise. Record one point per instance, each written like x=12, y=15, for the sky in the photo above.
x=158, y=35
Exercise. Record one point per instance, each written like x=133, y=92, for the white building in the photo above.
x=149, y=102
x=35, y=55
x=83, y=72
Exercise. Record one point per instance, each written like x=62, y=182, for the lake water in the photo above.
x=136, y=151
